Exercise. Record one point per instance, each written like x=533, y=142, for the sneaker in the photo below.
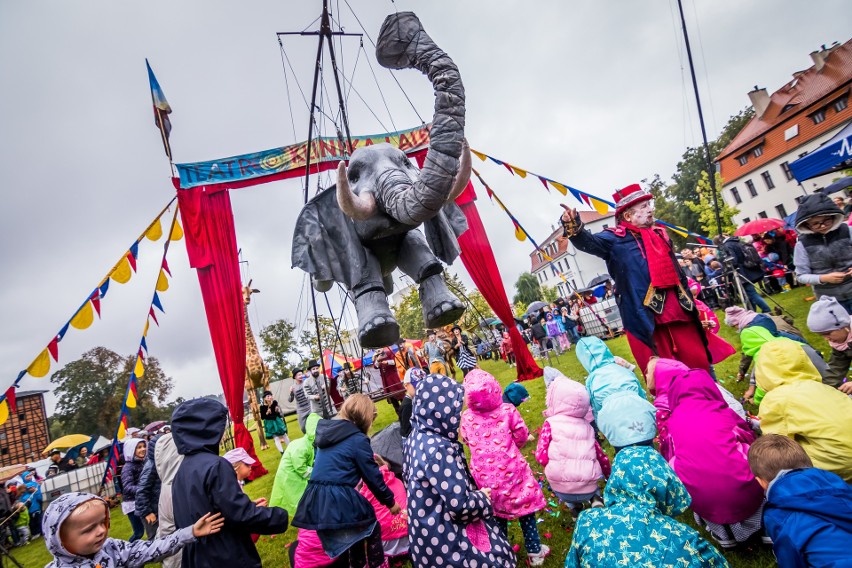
x=538, y=558
x=597, y=502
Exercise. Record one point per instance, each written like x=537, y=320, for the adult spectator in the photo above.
x=748, y=264
x=434, y=350
x=657, y=308
x=823, y=255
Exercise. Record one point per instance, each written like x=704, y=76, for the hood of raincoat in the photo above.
x=738, y=317
x=311, y=426
x=778, y=364
x=482, y=391
x=640, y=475
x=130, y=445
x=167, y=458
x=567, y=398
x=198, y=426
x=437, y=406
x=754, y=337
x=817, y=205
x=666, y=373
x=593, y=353
x=54, y=516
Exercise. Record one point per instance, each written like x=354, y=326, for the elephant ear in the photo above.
x=325, y=244
x=443, y=231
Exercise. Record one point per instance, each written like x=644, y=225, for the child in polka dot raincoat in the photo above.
x=450, y=521
x=495, y=432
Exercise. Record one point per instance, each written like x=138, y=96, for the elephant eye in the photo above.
x=354, y=173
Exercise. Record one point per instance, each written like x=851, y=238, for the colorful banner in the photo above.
x=290, y=161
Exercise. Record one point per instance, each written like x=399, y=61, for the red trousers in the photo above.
x=681, y=340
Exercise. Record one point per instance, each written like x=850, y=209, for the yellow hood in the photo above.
x=783, y=363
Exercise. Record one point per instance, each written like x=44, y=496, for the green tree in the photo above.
x=707, y=213
x=280, y=343
x=90, y=392
x=477, y=310
x=409, y=315
x=328, y=335
x=549, y=294
x=527, y=289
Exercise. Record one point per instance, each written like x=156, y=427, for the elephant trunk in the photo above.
x=404, y=44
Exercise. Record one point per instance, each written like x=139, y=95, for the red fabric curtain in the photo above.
x=211, y=244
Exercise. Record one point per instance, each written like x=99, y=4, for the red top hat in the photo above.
x=630, y=196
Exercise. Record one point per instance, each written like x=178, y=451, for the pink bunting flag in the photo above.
x=53, y=347
x=544, y=183
x=153, y=316
x=132, y=260
x=166, y=266
x=510, y=168
x=96, y=301
x=11, y=397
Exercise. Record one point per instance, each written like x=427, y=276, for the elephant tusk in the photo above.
x=358, y=207
x=463, y=176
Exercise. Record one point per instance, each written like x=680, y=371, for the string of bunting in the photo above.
x=602, y=206
x=131, y=394
x=83, y=317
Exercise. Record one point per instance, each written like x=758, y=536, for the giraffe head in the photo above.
x=247, y=292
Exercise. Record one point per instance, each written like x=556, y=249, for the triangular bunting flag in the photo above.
x=103, y=289
x=131, y=396
x=4, y=412
x=559, y=187
x=145, y=330
x=153, y=316
x=40, y=365
x=96, y=301
x=144, y=345
x=495, y=160
x=139, y=369
x=479, y=155
x=53, y=348
x=510, y=168
x=545, y=256
x=600, y=206
x=155, y=231
x=84, y=317
x=162, y=282
x=121, y=273
x=165, y=266
x=543, y=182
x=585, y=198
x=134, y=250
x=489, y=192
x=62, y=332
x=131, y=258
x=157, y=303
x=177, y=232
x=122, y=427
x=12, y=398
x=576, y=194
x=519, y=171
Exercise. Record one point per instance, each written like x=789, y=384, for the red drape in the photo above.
x=211, y=244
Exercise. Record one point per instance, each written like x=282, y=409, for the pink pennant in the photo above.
x=544, y=183
x=508, y=167
x=166, y=266
x=153, y=316
x=586, y=199
x=132, y=260
x=53, y=347
x=95, y=298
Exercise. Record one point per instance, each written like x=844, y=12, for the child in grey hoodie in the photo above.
x=76, y=526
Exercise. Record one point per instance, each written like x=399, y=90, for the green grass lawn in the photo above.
x=555, y=524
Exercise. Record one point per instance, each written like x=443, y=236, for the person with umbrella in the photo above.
x=823, y=255
x=658, y=310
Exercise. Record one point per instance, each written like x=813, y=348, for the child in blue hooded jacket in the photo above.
x=808, y=511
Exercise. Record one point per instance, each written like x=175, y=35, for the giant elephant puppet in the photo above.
x=357, y=232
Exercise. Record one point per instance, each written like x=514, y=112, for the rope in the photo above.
x=287, y=86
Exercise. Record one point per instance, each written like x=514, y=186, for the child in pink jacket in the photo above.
x=707, y=443
x=718, y=347
x=394, y=527
x=572, y=459
x=495, y=432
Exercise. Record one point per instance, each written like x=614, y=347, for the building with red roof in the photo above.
x=787, y=125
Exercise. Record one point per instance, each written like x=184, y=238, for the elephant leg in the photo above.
x=376, y=325
x=440, y=306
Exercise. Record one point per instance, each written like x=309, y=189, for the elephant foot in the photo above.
x=376, y=325
x=440, y=306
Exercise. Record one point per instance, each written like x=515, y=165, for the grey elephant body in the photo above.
x=359, y=231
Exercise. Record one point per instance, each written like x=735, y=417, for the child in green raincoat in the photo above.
x=295, y=468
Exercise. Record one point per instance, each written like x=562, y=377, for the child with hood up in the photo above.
x=76, y=528
x=495, y=432
x=572, y=459
x=449, y=517
x=294, y=469
x=706, y=443
x=637, y=525
x=830, y=320
x=620, y=409
x=554, y=333
x=798, y=405
x=134, y=460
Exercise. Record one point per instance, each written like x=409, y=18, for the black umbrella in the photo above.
x=387, y=443
x=535, y=306
x=598, y=280
x=839, y=185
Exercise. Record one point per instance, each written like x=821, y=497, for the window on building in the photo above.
x=818, y=116
x=762, y=215
x=767, y=179
x=24, y=431
x=782, y=211
x=840, y=104
x=785, y=167
x=553, y=269
x=606, y=226
x=758, y=151
x=538, y=254
x=746, y=220
x=743, y=160
x=751, y=189
x=21, y=416
x=791, y=132
x=735, y=193
x=4, y=451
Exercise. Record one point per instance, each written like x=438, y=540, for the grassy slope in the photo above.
x=555, y=524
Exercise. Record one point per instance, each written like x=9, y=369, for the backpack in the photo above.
x=752, y=257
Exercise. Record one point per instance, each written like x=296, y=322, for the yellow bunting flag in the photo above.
x=479, y=155
x=122, y=431
x=155, y=232
x=83, y=318
x=177, y=232
x=131, y=400
x=139, y=370
x=680, y=231
x=519, y=171
x=546, y=256
x=4, y=412
x=599, y=206
x=40, y=365
x=559, y=187
x=520, y=234
x=145, y=329
x=162, y=282
x=121, y=273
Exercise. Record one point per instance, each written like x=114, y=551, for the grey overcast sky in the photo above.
x=595, y=94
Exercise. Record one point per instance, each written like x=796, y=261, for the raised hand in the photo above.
x=570, y=220
x=208, y=524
